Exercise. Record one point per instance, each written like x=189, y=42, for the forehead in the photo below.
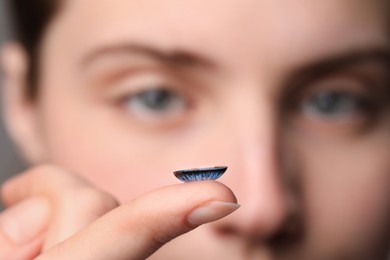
x=227, y=28
x=217, y=14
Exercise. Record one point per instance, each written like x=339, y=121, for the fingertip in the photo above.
x=210, y=190
x=210, y=212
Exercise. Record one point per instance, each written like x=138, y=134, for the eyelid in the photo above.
x=140, y=109
x=139, y=82
x=368, y=71
x=353, y=86
x=349, y=101
x=358, y=62
x=194, y=82
x=134, y=86
x=131, y=109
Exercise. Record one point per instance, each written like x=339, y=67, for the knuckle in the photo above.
x=44, y=169
x=55, y=179
x=45, y=172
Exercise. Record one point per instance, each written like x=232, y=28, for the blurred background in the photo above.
x=10, y=163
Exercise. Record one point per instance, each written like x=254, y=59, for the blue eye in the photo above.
x=156, y=99
x=156, y=103
x=200, y=174
x=333, y=104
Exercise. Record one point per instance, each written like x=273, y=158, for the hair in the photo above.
x=30, y=21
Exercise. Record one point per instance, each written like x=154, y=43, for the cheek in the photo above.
x=85, y=137
x=348, y=195
x=93, y=139
x=86, y=140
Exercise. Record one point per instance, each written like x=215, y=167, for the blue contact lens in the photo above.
x=200, y=174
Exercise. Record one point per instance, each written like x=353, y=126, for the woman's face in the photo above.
x=291, y=95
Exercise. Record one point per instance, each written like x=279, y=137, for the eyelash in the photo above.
x=328, y=101
x=153, y=101
x=336, y=105
x=338, y=101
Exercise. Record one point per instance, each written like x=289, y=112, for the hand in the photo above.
x=53, y=214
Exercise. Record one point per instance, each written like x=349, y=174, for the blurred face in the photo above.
x=291, y=95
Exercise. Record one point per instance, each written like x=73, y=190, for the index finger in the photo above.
x=137, y=229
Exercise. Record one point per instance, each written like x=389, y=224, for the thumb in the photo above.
x=137, y=229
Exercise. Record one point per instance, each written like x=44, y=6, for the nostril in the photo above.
x=275, y=224
x=227, y=231
x=292, y=231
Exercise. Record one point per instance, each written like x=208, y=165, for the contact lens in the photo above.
x=200, y=174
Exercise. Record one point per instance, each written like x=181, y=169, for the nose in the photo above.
x=257, y=177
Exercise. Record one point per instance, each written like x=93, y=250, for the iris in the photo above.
x=200, y=174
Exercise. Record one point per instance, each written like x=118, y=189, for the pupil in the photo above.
x=156, y=99
x=328, y=102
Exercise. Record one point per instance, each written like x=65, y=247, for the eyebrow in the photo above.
x=341, y=62
x=168, y=57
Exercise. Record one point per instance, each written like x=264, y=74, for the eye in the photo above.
x=334, y=105
x=200, y=174
x=157, y=103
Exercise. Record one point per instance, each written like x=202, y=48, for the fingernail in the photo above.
x=25, y=221
x=211, y=212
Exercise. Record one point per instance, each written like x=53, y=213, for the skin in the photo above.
x=312, y=185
